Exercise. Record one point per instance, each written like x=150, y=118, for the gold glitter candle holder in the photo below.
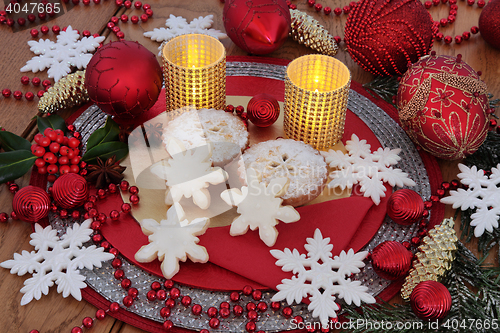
x=316, y=93
x=194, y=69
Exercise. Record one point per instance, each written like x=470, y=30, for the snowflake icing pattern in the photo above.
x=483, y=194
x=188, y=173
x=172, y=240
x=368, y=169
x=322, y=277
x=177, y=25
x=61, y=56
x=259, y=207
x=57, y=260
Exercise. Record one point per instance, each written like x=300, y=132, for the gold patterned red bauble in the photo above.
x=257, y=26
x=405, y=207
x=391, y=260
x=31, y=204
x=70, y=190
x=263, y=110
x=384, y=36
x=442, y=106
x=430, y=300
x=124, y=79
x=489, y=23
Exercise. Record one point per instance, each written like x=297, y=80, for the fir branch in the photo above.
x=488, y=154
x=383, y=87
x=475, y=293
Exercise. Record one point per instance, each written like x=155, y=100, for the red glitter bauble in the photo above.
x=405, y=207
x=489, y=23
x=70, y=190
x=384, y=36
x=391, y=260
x=124, y=79
x=263, y=110
x=31, y=204
x=430, y=300
x=257, y=26
x=442, y=106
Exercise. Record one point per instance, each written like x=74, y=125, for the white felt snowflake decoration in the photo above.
x=170, y=241
x=260, y=207
x=188, y=173
x=368, y=169
x=322, y=277
x=61, y=56
x=483, y=194
x=57, y=260
x=177, y=25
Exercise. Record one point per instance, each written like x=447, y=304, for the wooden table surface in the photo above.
x=53, y=313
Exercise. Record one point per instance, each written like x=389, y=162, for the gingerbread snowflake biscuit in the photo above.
x=259, y=207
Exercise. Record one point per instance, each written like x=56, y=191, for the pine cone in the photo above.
x=434, y=257
x=67, y=92
x=308, y=31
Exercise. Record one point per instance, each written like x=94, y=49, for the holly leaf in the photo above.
x=108, y=133
x=105, y=151
x=54, y=121
x=11, y=141
x=14, y=164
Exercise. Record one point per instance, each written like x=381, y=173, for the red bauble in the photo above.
x=405, y=207
x=31, y=204
x=442, y=106
x=384, y=36
x=391, y=260
x=489, y=23
x=124, y=79
x=70, y=190
x=257, y=26
x=263, y=110
x=430, y=300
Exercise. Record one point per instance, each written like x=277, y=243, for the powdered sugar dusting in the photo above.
x=225, y=132
x=299, y=162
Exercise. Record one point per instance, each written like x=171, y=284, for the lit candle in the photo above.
x=194, y=69
x=316, y=93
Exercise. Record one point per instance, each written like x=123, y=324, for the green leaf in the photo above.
x=11, y=142
x=14, y=164
x=106, y=150
x=108, y=133
x=54, y=121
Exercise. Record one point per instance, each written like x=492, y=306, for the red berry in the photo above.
x=52, y=169
x=42, y=170
x=39, y=162
x=54, y=147
x=73, y=142
x=50, y=158
x=39, y=151
x=64, y=169
x=74, y=169
x=44, y=142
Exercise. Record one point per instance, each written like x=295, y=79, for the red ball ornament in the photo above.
x=31, y=204
x=70, y=190
x=391, y=260
x=263, y=110
x=442, y=106
x=258, y=26
x=384, y=36
x=124, y=79
x=430, y=300
x=405, y=207
x=489, y=23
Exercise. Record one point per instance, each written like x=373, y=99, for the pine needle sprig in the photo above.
x=383, y=87
x=475, y=293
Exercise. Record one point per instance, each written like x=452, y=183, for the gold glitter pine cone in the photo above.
x=308, y=31
x=434, y=257
x=67, y=92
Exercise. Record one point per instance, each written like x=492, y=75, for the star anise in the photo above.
x=105, y=173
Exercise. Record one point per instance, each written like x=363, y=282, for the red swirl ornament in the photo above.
x=263, y=110
x=391, y=260
x=70, y=190
x=31, y=204
x=405, y=207
x=430, y=300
